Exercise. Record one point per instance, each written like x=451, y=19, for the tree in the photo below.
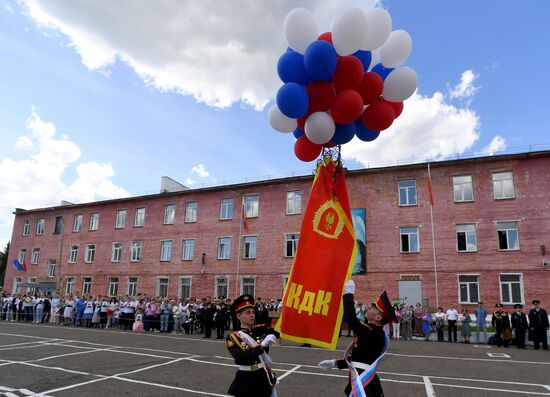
x=4, y=262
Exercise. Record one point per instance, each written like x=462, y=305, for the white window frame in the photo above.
x=501, y=182
x=409, y=239
x=407, y=189
x=227, y=208
x=167, y=286
x=251, y=210
x=69, y=285
x=507, y=236
x=136, y=246
x=166, y=250
x=216, y=284
x=22, y=255
x=26, y=228
x=285, y=282
x=470, y=301
x=191, y=212
x=51, y=270
x=31, y=280
x=225, y=244
x=294, y=200
x=73, y=249
x=139, y=217
x=116, y=252
x=40, y=225
x=295, y=244
x=169, y=214
x=77, y=223
x=185, y=254
x=253, y=278
x=466, y=233
x=255, y=243
x=35, y=257
x=180, y=287
x=87, y=253
x=510, y=288
x=17, y=285
x=113, y=286
x=86, y=285
x=462, y=184
x=132, y=286
x=94, y=221
x=120, y=219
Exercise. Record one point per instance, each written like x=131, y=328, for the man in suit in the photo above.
x=538, y=322
x=519, y=324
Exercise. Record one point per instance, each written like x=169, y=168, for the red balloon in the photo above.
x=371, y=87
x=348, y=74
x=397, y=107
x=329, y=145
x=378, y=116
x=321, y=95
x=327, y=36
x=306, y=150
x=302, y=121
x=347, y=107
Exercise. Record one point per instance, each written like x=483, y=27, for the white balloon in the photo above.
x=300, y=29
x=378, y=28
x=349, y=31
x=279, y=121
x=396, y=49
x=320, y=128
x=400, y=84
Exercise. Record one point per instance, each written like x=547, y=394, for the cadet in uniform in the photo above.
x=538, y=321
x=369, y=337
x=249, y=348
x=501, y=322
x=519, y=324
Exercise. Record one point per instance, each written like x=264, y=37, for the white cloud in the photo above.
x=496, y=145
x=24, y=143
x=466, y=88
x=200, y=171
x=218, y=52
x=189, y=181
x=37, y=181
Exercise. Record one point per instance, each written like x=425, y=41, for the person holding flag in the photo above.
x=365, y=353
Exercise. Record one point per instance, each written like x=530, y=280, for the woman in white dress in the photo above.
x=68, y=313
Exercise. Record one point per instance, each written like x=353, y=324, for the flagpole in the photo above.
x=433, y=240
x=239, y=248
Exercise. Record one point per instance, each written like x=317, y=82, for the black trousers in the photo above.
x=373, y=389
x=519, y=333
x=539, y=336
x=452, y=330
x=207, y=329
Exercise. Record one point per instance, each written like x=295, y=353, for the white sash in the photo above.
x=264, y=359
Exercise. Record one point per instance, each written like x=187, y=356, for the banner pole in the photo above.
x=239, y=248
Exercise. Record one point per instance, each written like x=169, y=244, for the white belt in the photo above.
x=359, y=365
x=252, y=368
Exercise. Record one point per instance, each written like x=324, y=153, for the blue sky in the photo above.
x=140, y=93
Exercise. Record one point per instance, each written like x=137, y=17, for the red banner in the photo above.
x=312, y=302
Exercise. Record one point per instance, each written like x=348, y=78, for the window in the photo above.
x=77, y=224
x=22, y=255
x=40, y=226
x=94, y=221
x=503, y=185
x=113, y=286
x=117, y=252
x=222, y=286
x=463, y=188
x=169, y=214
x=185, y=287
x=90, y=253
x=226, y=208
x=26, y=228
x=73, y=253
x=35, y=256
x=69, y=283
x=291, y=244
x=135, y=255
x=409, y=239
x=248, y=285
x=165, y=250
x=249, y=247
x=508, y=238
x=31, y=280
x=468, y=289
x=58, y=225
x=86, y=285
x=466, y=239
x=120, y=219
x=132, y=288
x=188, y=249
x=407, y=193
x=190, y=212
x=17, y=285
x=224, y=247
x=162, y=287
x=293, y=203
x=139, y=218
x=251, y=205
x=511, y=288
x=51, y=269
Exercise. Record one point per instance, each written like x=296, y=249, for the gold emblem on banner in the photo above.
x=327, y=222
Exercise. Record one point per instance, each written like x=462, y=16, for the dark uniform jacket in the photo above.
x=368, y=345
x=519, y=321
x=500, y=320
x=254, y=383
x=538, y=319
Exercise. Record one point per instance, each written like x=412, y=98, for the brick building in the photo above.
x=491, y=223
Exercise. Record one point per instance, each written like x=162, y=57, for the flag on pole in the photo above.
x=24, y=264
x=430, y=189
x=243, y=218
x=312, y=303
x=18, y=265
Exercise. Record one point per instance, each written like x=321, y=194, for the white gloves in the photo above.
x=349, y=287
x=327, y=364
x=268, y=340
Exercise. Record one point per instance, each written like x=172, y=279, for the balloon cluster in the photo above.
x=343, y=83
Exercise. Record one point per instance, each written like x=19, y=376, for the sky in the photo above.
x=101, y=99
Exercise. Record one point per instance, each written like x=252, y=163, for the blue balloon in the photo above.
x=292, y=100
x=344, y=133
x=298, y=133
x=291, y=68
x=320, y=60
x=381, y=70
x=364, y=133
x=365, y=57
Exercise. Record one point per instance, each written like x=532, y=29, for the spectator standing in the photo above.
x=519, y=325
x=451, y=316
x=481, y=322
x=137, y=326
x=221, y=319
x=417, y=320
x=427, y=325
x=465, y=319
x=396, y=327
x=164, y=315
x=439, y=319
x=501, y=322
x=406, y=322
x=538, y=320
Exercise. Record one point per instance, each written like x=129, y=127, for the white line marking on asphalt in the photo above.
x=430, y=392
x=289, y=372
x=45, y=393
x=483, y=346
x=155, y=366
x=531, y=393
x=171, y=387
x=26, y=392
x=497, y=355
x=546, y=386
x=4, y=388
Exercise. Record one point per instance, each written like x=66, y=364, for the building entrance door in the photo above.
x=410, y=292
